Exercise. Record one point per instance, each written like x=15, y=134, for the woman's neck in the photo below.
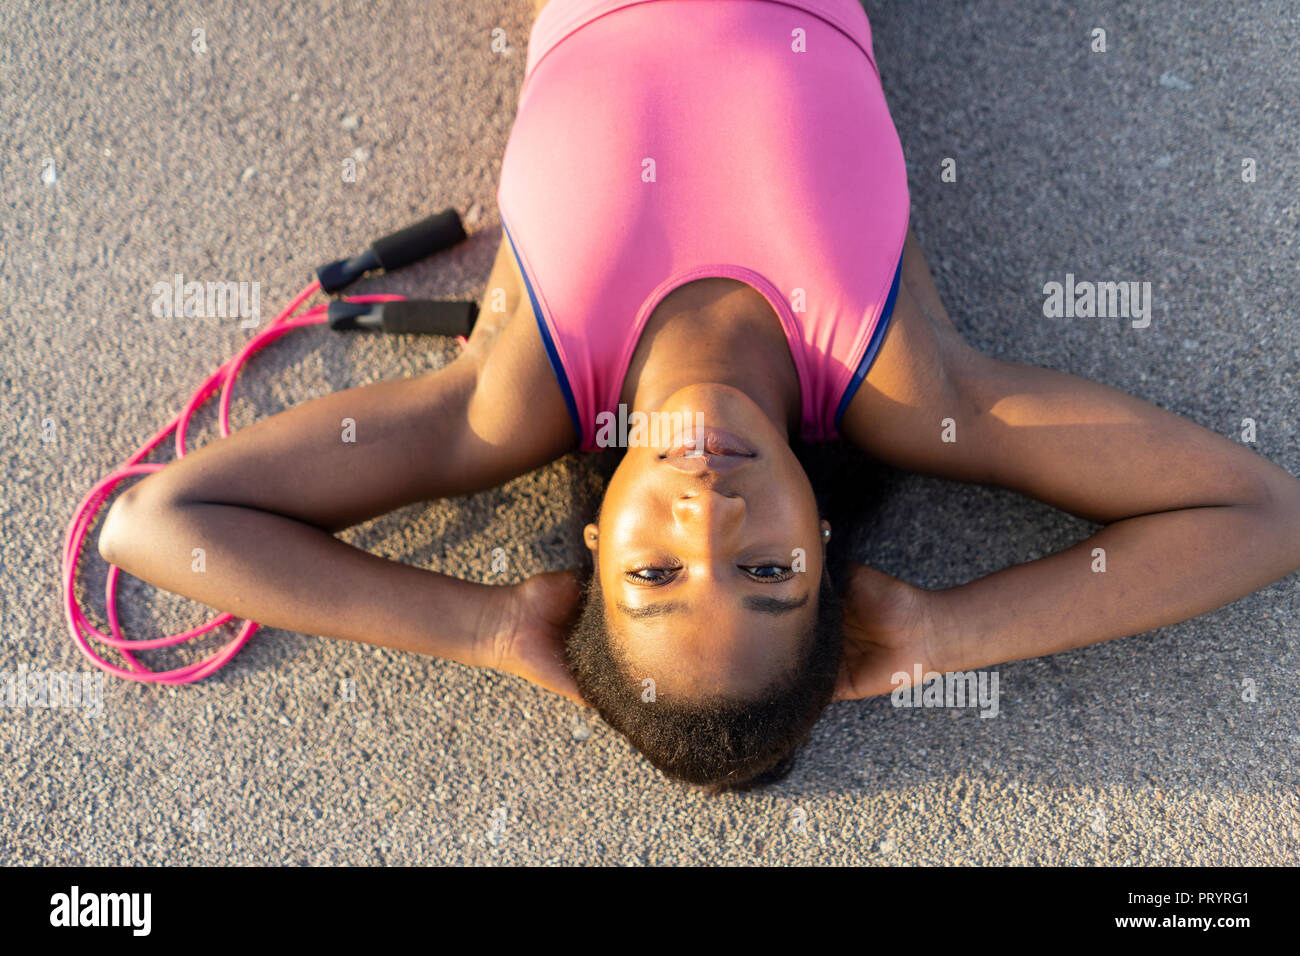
x=715, y=330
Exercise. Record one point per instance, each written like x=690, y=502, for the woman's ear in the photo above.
x=589, y=536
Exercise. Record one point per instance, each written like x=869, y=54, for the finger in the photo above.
x=571, y=693
x=557, y=679
x=866, y=577
x=843, y=685
x=567, y=575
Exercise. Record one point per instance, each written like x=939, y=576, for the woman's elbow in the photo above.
x=1277, y=509
x=116, y=531
x=132, y=521
x=1289, y=509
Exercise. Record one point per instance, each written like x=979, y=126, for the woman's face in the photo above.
x=709, y=550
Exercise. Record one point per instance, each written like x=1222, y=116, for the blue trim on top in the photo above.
x=551, y=352
x=877, y=337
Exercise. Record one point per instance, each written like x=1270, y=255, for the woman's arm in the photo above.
x=264, y=503
x=1193, y=520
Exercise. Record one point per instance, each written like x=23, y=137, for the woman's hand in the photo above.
x=528, y=640
x=889, y=627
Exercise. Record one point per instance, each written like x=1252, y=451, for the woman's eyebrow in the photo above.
x=763, y=605
x=651, y=610
x=771, y=605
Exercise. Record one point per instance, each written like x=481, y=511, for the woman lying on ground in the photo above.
x=706, y=217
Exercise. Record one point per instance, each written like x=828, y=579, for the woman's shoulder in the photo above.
x=517, y=398
x=910, y=385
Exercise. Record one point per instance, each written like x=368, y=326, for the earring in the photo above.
x=826, y=534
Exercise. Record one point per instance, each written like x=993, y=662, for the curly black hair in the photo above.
x=715, y=744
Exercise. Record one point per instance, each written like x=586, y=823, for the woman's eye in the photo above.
x=768, y=573
x=649, y=575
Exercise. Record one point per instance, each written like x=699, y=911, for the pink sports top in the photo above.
x=662, y=141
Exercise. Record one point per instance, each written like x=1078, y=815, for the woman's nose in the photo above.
x=708, y=507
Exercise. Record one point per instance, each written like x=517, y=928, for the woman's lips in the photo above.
x=711, y=464
x=692, y=442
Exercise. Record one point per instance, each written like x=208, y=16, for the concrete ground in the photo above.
x=128, y=157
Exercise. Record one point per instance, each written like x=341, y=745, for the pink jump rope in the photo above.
x=388, y=313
